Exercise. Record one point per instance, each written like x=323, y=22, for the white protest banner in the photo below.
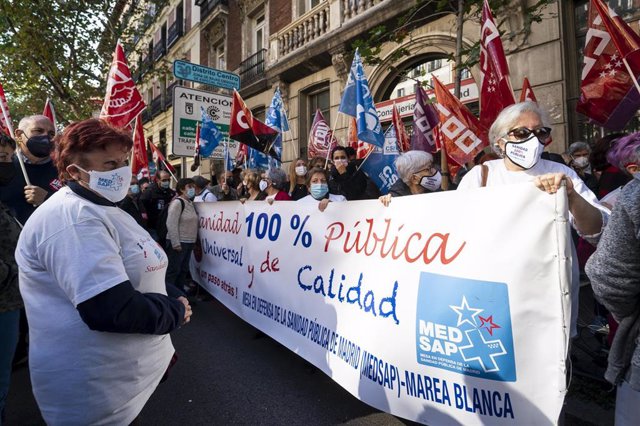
x=444, y=308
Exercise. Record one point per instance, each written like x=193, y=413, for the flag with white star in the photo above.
x=495, y=92
x=609, y=96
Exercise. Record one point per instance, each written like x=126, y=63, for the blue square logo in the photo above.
x=464, y=326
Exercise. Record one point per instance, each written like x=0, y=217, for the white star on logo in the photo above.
x=464, y=311
x=608, y=66
x=603, y=74
x=618, y=64
x=614, y=57
x=612, y=73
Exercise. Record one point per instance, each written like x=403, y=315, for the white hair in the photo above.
x=578, y=146
x=508, y=118
x=25, y=121
x=412, y=162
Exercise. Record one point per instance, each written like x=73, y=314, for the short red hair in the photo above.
x=86, y=136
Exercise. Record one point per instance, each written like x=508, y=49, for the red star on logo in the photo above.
x=488, y=320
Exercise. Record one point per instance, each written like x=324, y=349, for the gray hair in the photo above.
x=508, y=118
x=24, y=123
x=411, y=162
x=578, y=146
x=277, y=176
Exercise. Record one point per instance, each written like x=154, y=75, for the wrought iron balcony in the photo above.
x=168, y=99
x=252, y=68
x=174, y=32
x=208, y=6
x=159, y=49
x=156, y=106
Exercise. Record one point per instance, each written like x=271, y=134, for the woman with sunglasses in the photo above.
x=519, y=135
x=417, y=174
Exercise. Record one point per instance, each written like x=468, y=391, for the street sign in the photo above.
x=186, y=113
x=200, y=74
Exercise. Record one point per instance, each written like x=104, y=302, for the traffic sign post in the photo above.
x=186, y=115
x=200, y=74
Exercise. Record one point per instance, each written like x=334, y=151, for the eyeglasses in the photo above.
x=522, y=133
x=431, y=170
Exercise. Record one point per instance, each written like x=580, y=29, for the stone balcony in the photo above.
x=305, y=45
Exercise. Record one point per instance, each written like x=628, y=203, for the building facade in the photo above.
x=305, y=48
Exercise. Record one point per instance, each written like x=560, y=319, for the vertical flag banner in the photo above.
x=210, y=135
x=357, y=102
x=496, y=92
x=426, y=316
x=139, y=161
x=277, y=119
x=527, y=92
x=159, y=158
x=242, y=155
x=460, y=131
x=50, y=113
x=608, y=95
x=321, y=139
x=380, y=164
x=249, y=130
x=228, y=162
x=425, y=121
x=403, y=139
x=5, y=124
x=122, y=102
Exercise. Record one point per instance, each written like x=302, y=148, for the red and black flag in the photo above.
x=249, y=130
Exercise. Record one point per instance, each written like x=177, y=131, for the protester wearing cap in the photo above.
x=202, y=192
x=93, y=286
x=518, y=135
x=34, y=138
x=276, y=182
x=417, y=173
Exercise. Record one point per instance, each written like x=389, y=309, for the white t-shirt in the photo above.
x=69, y=251
x=332, y=197
x=499, y=175
x=205, y=196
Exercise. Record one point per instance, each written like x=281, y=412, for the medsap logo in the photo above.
x=464, y=326
x=114, y=183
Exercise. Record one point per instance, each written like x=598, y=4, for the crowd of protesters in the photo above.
x=108, y=236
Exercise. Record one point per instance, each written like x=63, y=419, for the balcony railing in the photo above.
x=317, y=22
x=146, y=115
x=168, y=99
x=207, y=6
x=174, y=32
x=156, y=106
x=159, y=49
x=145, y=65
x=252, y=68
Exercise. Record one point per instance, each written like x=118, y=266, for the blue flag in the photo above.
x=210, y=135
x=358, y=102
x=277, y=119
x=228, y=162
x=379, y=165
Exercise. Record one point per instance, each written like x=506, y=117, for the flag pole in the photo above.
x=295, y=149
x=13, y=136
x=371, y=149
x=631, y=74
x=333, y=132
x=444, y=166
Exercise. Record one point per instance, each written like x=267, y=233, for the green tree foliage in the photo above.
x=62, y=49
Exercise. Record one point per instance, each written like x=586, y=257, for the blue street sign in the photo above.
x=200, y=74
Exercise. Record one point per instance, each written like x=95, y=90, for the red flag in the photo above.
x=459, y=130
x=50, y=113
x=249, y=130
x=609, y=96
x=321, y=139
x=122, y=102
x=242, y=154
x=496, y=92
x=361, y=148
x=527, y=92
x=404, y=142
x=139, y=161
x=159, y=158
x=4, y=126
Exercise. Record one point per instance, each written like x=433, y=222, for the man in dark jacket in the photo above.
x=155, y=197
x=132, y=204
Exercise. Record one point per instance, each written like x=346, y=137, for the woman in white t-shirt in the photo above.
x=518, y=136
x=93, y=286
x=317, y=182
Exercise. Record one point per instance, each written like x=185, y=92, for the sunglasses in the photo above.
x=522, y=133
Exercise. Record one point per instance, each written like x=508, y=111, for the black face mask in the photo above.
x=39, y=146
x=7, y=172
x=230, y=182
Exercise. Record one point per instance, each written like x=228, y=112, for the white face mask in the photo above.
x=111, y=184
x=263, y=185
x=581, y=162
x=431, y=183
x=301, y=171
x=524, y=153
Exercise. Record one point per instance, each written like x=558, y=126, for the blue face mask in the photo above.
x=134, y=189
x=319, y=190
x=191, y=192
